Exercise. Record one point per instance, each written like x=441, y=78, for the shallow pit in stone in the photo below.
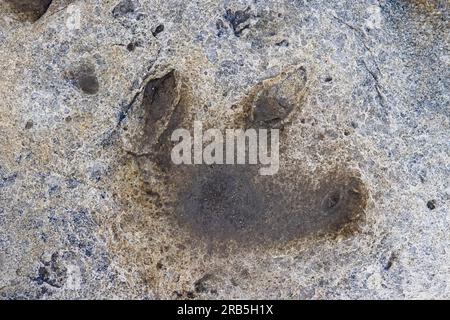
x=29, y=10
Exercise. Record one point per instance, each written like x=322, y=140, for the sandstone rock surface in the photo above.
x=91, y=206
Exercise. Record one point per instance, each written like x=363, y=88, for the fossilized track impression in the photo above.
x=221, y=203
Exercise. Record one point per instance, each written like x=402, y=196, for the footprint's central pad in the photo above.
x=219, y=203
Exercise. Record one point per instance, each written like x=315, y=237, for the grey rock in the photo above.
x=90, y=206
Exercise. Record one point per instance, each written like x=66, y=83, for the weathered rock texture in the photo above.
x=92, y=207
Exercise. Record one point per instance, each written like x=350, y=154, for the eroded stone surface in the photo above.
x=92, y=207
